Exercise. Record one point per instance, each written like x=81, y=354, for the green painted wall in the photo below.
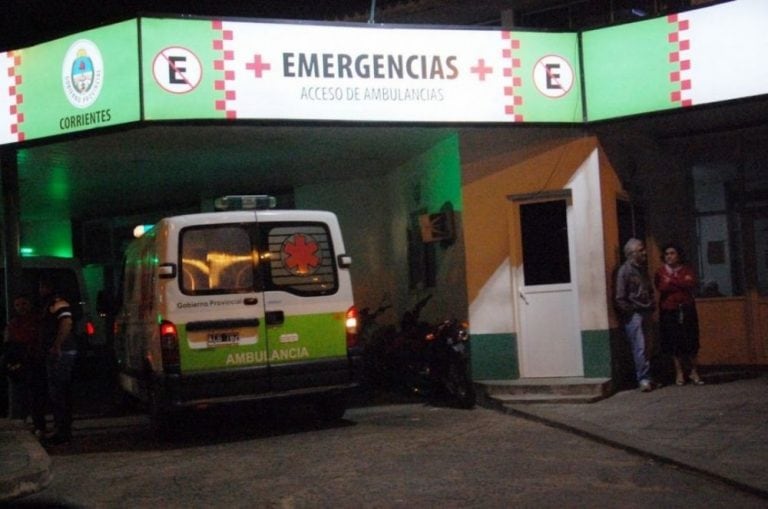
x=46, y=238
x=442, y=175
x=596, y=353
x=494, y=356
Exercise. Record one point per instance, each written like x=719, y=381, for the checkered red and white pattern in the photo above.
x=680, y=58
x=10, y=106
x=511, y=76
x=224, y=43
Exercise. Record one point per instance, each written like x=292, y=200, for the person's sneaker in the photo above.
x=645, y=386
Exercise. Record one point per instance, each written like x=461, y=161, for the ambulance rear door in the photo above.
x=219, y=306
x=307, y=295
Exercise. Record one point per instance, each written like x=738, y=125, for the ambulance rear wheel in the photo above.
x=161, y=420
x=331, y=409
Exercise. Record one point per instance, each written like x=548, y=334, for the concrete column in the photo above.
x=11, y=230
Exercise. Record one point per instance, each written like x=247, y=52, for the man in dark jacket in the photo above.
x=634, y=298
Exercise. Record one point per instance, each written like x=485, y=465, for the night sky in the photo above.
x=28, y=22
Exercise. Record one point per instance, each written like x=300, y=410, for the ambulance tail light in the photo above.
x=351, y=323
x=90, y=329
x=169, y=347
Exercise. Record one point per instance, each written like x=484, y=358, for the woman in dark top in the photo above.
x=678, y=320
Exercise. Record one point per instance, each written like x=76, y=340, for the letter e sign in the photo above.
x=177, y=70
x=553, y=76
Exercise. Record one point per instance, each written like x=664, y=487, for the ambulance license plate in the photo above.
x=223, y=338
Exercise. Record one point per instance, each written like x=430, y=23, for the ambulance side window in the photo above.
x=301, y=258
x=217, y=259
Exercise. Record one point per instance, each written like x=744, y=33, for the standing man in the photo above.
x=61, y=348
x=634, y=298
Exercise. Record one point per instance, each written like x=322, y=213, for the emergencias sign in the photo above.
x=245, y=70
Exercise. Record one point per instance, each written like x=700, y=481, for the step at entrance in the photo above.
x=497, y=393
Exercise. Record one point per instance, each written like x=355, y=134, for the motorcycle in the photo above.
x=369, y=326
x=432, y=360
x=448, y=361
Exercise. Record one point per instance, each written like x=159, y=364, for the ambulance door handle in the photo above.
x=522, y=296
x=274, y=317
x=250, y=301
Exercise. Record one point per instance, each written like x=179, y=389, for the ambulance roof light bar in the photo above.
x=245, y=202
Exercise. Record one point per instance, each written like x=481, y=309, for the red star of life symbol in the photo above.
x=299, y=254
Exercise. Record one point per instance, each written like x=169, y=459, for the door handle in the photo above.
x=522, y=296
x=250, y=301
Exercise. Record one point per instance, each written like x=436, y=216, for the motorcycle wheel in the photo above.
x=460, y=386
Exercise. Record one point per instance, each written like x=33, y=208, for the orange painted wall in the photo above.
x=610, y=190
x=489, y=181
x=724, y=332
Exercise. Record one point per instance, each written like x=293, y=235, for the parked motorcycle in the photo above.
x=431, y=360
x=369, y=326
x=448, y=361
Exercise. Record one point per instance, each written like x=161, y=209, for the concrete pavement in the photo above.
x=719, y=430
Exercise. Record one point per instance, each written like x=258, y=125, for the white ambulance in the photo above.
x=241, y=304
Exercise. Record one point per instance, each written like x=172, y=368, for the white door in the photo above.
x=549, y=339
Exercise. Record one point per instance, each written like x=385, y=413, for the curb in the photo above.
x=735, y=477
x=31, y=464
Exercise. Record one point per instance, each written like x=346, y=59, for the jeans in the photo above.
x=634, y=329
x=60, y=389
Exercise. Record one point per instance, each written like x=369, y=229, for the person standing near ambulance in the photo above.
x=27, y=391
x=61, y=349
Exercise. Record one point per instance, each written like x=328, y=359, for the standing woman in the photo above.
x=678, y=320
x=27, y=392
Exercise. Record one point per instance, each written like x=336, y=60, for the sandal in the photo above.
x=697, y=380
x=680, y=380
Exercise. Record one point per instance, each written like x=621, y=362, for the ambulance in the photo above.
x=244, y=303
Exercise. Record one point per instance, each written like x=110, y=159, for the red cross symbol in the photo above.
x=257, y=66
x=481, y=69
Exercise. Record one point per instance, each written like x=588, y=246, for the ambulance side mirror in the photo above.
x=344, y=261
x=166, y=270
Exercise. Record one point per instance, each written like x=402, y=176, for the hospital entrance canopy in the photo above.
x=150, y=71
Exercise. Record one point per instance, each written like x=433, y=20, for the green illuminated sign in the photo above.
x=85, y=81
x=626, y=69
x=695, y=57
x=178, y=65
